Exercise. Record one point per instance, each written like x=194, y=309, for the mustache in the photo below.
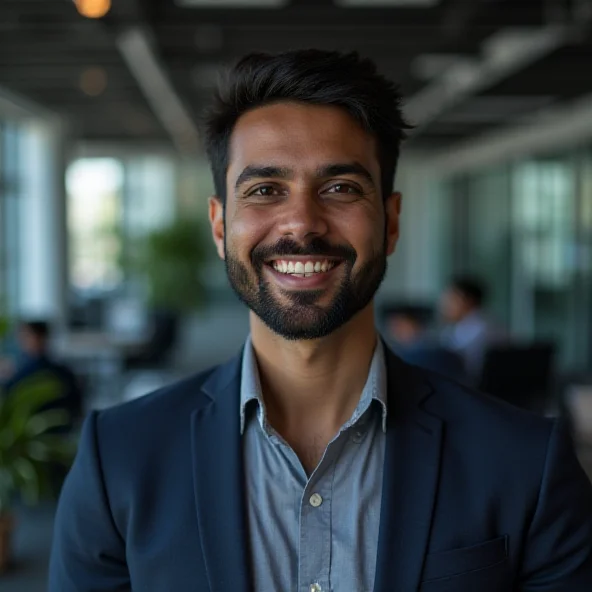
x=317, y=247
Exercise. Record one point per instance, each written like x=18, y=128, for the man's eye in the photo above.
x=344, y=189
x=264, y=191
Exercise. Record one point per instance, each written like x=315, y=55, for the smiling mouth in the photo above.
x=303, y=268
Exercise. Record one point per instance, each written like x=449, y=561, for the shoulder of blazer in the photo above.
x=172, y=404
x=467, y=409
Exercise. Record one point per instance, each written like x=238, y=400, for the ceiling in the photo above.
x=145, y=71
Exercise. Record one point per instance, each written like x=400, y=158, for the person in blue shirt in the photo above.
x=469, y=331
x=35, y=361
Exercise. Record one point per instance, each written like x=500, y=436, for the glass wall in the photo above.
x=115, y=200
x=479, y=234
x=525, y=228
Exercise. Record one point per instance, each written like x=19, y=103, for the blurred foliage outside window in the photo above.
x=95, y=189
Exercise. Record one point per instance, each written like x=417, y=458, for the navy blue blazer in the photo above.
x=478, y=495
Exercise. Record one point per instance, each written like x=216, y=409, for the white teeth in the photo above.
x=302, y=269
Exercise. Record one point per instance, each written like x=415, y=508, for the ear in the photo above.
x=216, y=215
x=392, y=208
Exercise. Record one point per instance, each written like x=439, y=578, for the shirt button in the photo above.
x=315, y=588
x=315, y=501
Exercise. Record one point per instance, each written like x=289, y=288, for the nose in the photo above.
x=302, y=217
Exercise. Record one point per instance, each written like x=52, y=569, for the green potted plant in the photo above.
x=168, y=263
x=170, y=259
x=30, y=448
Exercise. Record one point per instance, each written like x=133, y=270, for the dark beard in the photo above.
x=303, y=318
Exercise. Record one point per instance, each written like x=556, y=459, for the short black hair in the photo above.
x=308, y=76
x=39, y=328
x=471, y=288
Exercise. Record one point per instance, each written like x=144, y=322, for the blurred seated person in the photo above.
x=408, y=328
x=469, y=332
x=35, y=360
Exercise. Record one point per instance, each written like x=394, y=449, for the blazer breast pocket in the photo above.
x=482, y=567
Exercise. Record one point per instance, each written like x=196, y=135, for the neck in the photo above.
x=316, y=383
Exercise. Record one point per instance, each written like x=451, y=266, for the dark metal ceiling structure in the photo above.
x=145, y=70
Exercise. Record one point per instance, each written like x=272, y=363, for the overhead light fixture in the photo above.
x=233, y=3
x=93, y=8
x=93, y=81
x=393, y=3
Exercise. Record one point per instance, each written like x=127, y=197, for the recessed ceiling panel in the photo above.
x=232, y=3
x=393, y=3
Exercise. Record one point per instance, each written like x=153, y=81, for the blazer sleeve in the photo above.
x=88, y=552
x=558, y=550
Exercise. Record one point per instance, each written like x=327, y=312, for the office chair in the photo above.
x=521, y=374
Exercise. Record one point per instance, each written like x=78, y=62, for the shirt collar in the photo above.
x=375, y=388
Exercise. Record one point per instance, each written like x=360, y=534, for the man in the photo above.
x=469, y=331
x=408, y=327
x=316, y=460
x=36, y=362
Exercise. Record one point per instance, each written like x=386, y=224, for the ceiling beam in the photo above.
x=509, y=51
x=13, y=104
x=310, y=15
x=502, y=57
x=134, y=39
x=314, y=13
x=139, y=53
x=563, y=127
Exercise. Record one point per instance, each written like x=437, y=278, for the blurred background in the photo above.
x=109, y=281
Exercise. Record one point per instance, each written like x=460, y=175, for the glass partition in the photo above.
x=525, y=228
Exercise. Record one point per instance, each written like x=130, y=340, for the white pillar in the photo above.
x=42, y=223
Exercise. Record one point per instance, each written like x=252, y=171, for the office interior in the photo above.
x=104, y=183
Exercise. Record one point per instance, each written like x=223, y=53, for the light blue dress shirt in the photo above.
x=317, y=533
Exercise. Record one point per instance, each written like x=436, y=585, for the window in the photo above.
x=95, y=189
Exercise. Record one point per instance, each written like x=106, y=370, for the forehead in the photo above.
x=299, y=136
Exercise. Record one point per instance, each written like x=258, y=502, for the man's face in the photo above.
x=454, y=306
x=305, y=233
x=29, y=342
x=404, y=330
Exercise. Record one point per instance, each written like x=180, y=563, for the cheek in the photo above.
x=365, y=235
x=244, y=231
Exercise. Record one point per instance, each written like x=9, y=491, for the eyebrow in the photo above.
x=262, y=172
x=251, y=172
x=339, y=169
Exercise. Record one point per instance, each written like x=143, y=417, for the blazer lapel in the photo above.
x=411, y=469
x=218, y=481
